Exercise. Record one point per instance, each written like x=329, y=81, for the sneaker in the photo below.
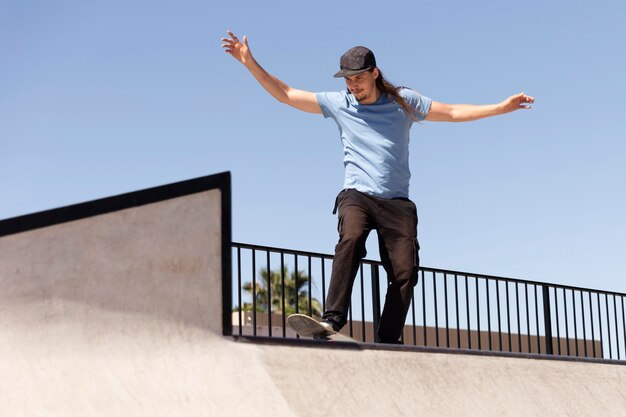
x=328, y=326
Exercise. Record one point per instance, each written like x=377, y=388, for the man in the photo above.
x=374, y=118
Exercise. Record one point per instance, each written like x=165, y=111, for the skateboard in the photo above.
x=307, y=326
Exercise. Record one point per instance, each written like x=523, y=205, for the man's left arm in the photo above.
x=441, y=112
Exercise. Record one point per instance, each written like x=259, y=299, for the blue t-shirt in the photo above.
x=375, y=140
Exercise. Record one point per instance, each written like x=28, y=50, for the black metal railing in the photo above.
x=449, y=310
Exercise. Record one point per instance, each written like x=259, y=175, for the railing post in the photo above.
x=547, y=319
x=375, y=299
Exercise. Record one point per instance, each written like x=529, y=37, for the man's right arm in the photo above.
x=300, y=99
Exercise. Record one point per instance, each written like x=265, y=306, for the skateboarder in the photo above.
x=374, y=118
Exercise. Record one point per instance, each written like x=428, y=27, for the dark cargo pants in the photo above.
x=395, y=221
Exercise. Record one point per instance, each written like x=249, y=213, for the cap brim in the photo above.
x=349, y=73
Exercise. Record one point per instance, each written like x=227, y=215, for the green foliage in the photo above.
x=268, y=292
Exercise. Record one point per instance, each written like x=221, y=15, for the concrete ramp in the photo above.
x=114, y=308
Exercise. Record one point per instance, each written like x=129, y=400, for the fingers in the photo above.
x=521, y=99
x=233, y=39
x=525, y=98
x=229, y=44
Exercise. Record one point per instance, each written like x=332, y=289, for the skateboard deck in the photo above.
x=307, y=326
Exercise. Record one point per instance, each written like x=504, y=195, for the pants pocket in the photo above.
x=416, y=255
x=337, y=200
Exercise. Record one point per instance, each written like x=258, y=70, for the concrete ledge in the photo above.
x=407, y=348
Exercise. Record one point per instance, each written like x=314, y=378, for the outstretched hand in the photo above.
x=517, y=102
x=240, y=51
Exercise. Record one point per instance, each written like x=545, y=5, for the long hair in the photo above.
x=386, y=87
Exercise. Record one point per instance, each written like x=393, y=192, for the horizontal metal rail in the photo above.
x=450, y=309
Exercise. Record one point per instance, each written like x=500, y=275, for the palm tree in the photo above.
x=268, y=291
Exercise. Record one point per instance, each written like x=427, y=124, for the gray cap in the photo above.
x=355, y=61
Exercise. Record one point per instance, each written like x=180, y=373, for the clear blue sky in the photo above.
x=101, y=98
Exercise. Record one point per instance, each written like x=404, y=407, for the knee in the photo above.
x=402, y=274
x=405, y=275
x=353, y=242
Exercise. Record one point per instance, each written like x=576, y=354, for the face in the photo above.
x=363, y=86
